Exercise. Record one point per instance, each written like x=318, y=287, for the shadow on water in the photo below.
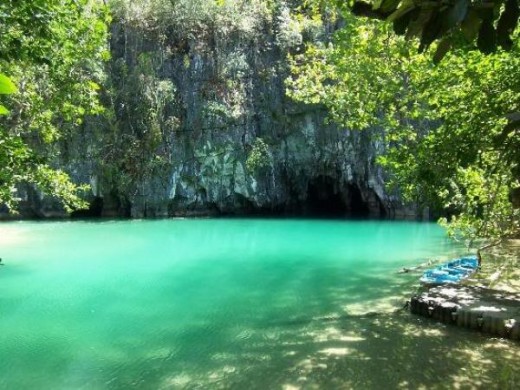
x=349, y=348
x=369, y=352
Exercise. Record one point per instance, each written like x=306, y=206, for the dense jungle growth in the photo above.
x=51, y=56
x=451, y=127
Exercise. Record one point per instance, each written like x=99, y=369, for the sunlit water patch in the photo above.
x=209, y=303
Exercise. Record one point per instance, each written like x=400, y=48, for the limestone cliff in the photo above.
x=198, y=123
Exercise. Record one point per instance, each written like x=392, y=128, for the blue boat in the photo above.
x=451, y=272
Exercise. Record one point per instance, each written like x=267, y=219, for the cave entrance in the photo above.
x=94, y=210
x=356, y=206
x=323, y=199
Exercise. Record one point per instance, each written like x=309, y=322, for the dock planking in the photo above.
x=490, y=311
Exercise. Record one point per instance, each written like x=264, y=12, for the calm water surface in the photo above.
x=205, y=303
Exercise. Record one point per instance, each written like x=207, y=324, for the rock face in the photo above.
x=199, y=124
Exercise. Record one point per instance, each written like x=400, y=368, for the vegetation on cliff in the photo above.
x=52, y=51
x=191, y=88
x=449, y=130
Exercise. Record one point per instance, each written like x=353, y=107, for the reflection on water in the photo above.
x=228, y=304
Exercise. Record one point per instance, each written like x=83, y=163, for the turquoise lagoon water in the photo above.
x=202, y=303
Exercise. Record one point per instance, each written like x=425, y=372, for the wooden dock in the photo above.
x=490, y=311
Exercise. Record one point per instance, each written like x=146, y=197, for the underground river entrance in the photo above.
x=216, y=303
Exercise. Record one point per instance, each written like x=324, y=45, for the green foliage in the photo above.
x=297, y=25
x=259, y=157
x=217, y=161
x=140, y=121
x=446, y=133
x=490, y=23
x=6, y=88
x=356, y=74
x=194, y=18
x=470, y=95
x=6, y=85
x=53, y=51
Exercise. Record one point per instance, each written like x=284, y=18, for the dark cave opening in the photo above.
x=357, y=207
x=323, y=199
x=94, y=210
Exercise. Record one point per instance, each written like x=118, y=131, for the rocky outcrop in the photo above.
x=199, y=124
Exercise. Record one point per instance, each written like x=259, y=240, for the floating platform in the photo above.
x=489, y=311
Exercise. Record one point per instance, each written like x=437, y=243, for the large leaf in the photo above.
x=3, y=110
x=436, y=19
x=401, y=24
x=389, y=5
x=405, y=7
x=471, y=25
x=507, y=24
x=455, y=14
x=443, y=48
x=417, y=24
x=6, y=85
x=362, y=8
x=446, y=19
x=431, y=30
x=486, y=41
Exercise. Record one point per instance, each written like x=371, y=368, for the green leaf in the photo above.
x=6, y=85
x=3, y=110
x=94, y=86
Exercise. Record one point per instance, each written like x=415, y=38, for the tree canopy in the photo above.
x=448, y=130
x=51, y=53
x=490, y=23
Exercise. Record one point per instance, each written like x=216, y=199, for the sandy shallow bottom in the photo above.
x=395, y=351
x=383, y=349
